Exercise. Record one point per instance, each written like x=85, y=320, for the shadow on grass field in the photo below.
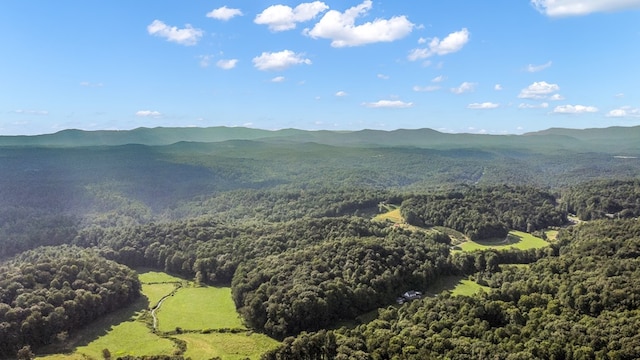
x=91, y=332
x=516, y=239
x=456, y=285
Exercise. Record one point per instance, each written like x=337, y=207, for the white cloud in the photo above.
x=426, y=88
x=438, y=79
x=148, y=113
x=535, y=68
x=340, y=27
x=452, y=43
x=383, y=76
x=484, y=105
x=278, y=79
x=538, y=90
x=497, y=87
x=556, y=97
x=279, y=60
x=341, y=93
x=464, y=87
x=422, y=41
x=625, y=111
x=224, y=13
x=619, y=95
x=186, y=36
x=205, y=60
x=543, y=105
x=574, y=109
x=227, y=64
x=389, y=104
x=282, y=17
x=31, y=112
x=557, y=8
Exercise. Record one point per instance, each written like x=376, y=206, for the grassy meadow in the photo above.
x=226, y=345
x=193, y=309
x=516, y=239
x=199, y=308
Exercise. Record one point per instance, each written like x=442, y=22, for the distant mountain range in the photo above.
x=614, y=140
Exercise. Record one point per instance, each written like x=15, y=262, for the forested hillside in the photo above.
x=286, y=220
x=582, y=304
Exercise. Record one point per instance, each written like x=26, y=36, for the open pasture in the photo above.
x=516, y=239
x=228, y=346
x=456, y=285
x=199, y=308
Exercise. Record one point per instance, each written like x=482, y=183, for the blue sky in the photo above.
x=497, y=67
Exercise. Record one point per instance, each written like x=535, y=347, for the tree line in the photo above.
x=47, y=292
x=581, y=304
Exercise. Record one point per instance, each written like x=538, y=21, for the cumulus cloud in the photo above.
x=484, y=105
x=438, y=79
x=341, y=93
x=535, y=68
x=625, y=111
x=227, y=64
x=556, y=97
x=427, y=88
x=559, y=8
x=186, y=36
x=279, y=60
x=224, y=13
x=148, y=113
x=543, y=105
x=278, y=79
x=398, y=104
x=464, y=88
x=341, y=29
x=282, y=17
x=31, y=112
x=538, y=90
x=452, y=43
x=497, y=87
x=574, y=109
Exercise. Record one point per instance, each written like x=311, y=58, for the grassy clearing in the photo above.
x=155, y=292
x=155, y=277
x=128, y=338
x=456, y=285
x=468, y=288
x=393, y=215
x=199, y=308
x=552, y=235
x=227, y=346
x=191, y=308
x=516, y=239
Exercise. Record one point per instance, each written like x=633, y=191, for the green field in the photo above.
x=128, y=338
x=227, y=346
x=199, y=308
x=468, y=288
x=516, y=239
x=393, y=215
x=190, y=308
x=152, y=277
x=155, y=292
x=456, y=285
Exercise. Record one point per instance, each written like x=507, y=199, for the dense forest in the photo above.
x=582, y=304
x=49, y=292
x=285, y=219
x=486, y=212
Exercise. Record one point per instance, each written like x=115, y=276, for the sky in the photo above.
x=461, y=66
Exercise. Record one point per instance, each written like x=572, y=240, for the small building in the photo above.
x=409, y=296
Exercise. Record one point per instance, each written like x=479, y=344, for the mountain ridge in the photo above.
x=611, y=140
